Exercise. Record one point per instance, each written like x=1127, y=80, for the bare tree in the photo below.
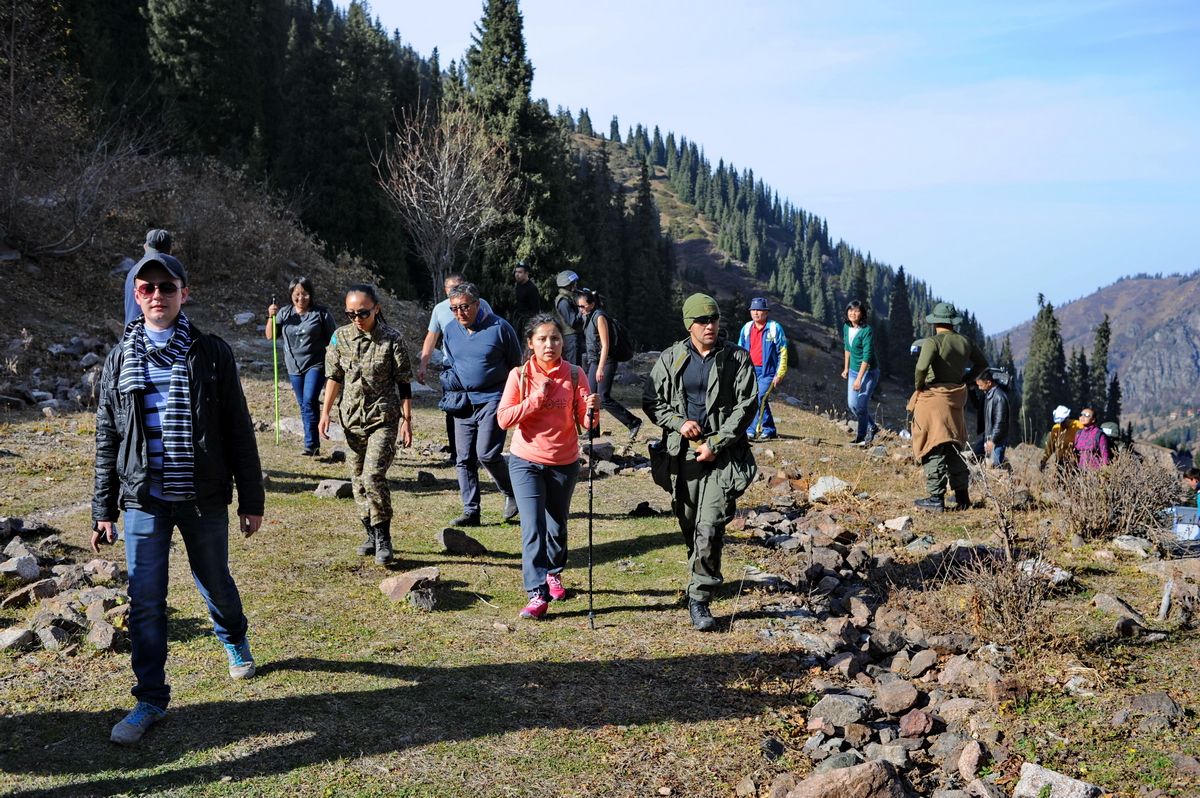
x=449, y=181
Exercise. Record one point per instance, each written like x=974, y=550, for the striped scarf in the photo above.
x=178, y=457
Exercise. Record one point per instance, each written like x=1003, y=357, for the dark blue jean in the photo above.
x=479, y=439
x=205, y=533
x=603, y=386
x=543, y=495
x=764, y=420
x=307, y=388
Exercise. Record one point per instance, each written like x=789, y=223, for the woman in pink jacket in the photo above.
x=1091, y=443
x=546, y=403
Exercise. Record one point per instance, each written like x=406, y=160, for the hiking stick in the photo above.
x=275, y=357
x=591, y=478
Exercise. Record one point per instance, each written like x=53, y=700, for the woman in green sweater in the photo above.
x=860, y=369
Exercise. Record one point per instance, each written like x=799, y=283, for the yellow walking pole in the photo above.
x=275, y=357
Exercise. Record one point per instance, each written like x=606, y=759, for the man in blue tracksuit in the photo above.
x=766, y=342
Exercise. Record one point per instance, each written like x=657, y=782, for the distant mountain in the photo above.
x=1155, y=340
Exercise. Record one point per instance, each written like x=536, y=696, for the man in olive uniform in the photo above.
x=939, y=427
x=702, y=392
x=369, y=376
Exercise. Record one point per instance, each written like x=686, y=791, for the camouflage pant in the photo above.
x=371, y=456
x=944, y=463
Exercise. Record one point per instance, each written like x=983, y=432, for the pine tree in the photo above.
x=585, y=123
x=614, y=130
x=1099, y=377
x=1079, y=381
x=1044, y=386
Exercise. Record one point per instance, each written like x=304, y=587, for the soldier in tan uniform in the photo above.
x=368, y=373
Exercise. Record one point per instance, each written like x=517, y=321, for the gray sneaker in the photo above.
x=241, y=661
x=510, y=508
x=131, y=728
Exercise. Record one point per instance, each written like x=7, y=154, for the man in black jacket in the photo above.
x=994, y=415
x=172, y=436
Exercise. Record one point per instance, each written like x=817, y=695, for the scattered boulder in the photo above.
x=772, y=748
x=827, y=486
x=1157, y=704
x=53, y=638
x=102, y=572
x=970, y=759
x=1134, y=545
x=1036, y=779
x=15, y=638
x=401, y=586
x=334, y=489
x=916, y=723
x=24, y=567
x=41, y=589
x=921, y=662
x=869, y=780
x=455, y=541
x=243, y=318
x=1040, y=569
x=1116, y=606
x=103, y=635
x=901, y=524
x=896, y=696
x=840, y=710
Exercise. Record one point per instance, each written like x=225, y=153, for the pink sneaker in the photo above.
x=536, y=608
x=557, y=591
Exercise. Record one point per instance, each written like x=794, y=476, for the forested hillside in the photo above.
x=308, y=100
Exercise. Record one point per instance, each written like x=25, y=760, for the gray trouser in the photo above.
x=702, y=510
x=479, y=439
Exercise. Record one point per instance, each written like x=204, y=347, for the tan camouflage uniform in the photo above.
x=369, y=366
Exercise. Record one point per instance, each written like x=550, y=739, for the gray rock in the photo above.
x=895, y=754
x=781, y=785
x=1039, y=568
x=245, y=317
x=951, y=643
x=18, y=548
x=957, y=711
x=36, y=591
x=970, y=759
x=1159, y=704
x=950, y=794
x=103, y=636
x=52, y=638
x=921, y=662
x=840, y=710
x=772, y=749
x=15, y=638
x=334, y=489
x=607, y=468
x=869, y=780
x=746, y=788
x=455, y=541
x=922, y=543
x=825, y=487
x=887, y=642
x=89, y=360
x=1106, y=602
x=985, y=788
x=102, y=572
x=24, y=568
x=1134, y=545
x=896, y=697
x=1034, y=779
x=845, y=759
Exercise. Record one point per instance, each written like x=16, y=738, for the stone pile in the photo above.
x=67, y=382
x=898, y=707
x=75, y=601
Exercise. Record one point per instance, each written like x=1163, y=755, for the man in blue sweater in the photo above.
x=483, y=348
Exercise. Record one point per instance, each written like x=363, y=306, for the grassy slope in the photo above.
x=359, y=696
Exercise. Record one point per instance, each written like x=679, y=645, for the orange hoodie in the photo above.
x=543, y=422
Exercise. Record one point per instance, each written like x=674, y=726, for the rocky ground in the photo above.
x=858, y=653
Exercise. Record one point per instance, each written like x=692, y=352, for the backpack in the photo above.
x=620, y=345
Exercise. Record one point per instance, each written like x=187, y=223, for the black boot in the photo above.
x=702, y=619
x=383, y=543
x=962, y=499
x=933, y=504
x=368, y=546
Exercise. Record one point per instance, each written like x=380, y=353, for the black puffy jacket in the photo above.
x=222, y=436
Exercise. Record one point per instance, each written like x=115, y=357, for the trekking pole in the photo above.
x=591, y=475
x=275, y=357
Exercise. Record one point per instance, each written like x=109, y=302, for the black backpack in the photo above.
x=620, y=345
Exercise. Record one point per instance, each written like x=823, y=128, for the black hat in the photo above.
x=159, y=240
x=171, y=264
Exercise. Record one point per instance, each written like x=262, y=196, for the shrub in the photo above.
x=1126, y=497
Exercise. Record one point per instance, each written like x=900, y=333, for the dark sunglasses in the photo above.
x=166, y=288
x=461, y=308
x=359, y=314
x=704, y=321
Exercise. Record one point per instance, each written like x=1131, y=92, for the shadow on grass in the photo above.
x=438, y=704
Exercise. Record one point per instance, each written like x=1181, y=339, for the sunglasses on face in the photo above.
x=359, y=314
x=1085, y=415
x=166, y=288
x=461, y=308
x=704, y=321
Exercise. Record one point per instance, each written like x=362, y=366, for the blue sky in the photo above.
x=996, y=150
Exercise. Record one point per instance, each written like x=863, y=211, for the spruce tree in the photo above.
x=900, y=326
x=1112, y=409
x=1099, y=377
x=1079, y=381
x=1044, y=385
x=614, y=130
x=585, y=123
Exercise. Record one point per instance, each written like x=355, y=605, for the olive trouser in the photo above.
x=944, y=463
x=702, y=510
x=371, y=455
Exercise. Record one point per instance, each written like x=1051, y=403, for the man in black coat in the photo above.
x=994, y=414
x=173, y=436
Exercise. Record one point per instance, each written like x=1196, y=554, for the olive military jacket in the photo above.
x=370, y=367
x=732, y=400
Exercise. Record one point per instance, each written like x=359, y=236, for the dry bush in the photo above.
x=1126, y=497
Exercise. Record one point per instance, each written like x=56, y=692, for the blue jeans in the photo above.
x=479, y=439
x=859, y=402
x=205, y=532
x=307, y=387
x=544, y=497
x=998, y=451
x=764, y=420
